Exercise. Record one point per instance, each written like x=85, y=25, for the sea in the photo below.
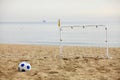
x=48, y=33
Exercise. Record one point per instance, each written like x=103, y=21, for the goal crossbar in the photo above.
x=83, y=26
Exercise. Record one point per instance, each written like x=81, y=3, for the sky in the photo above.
x=51, y=10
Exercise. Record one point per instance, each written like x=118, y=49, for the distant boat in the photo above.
x=44, y=21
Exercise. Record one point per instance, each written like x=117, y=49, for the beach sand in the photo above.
x=76, y=63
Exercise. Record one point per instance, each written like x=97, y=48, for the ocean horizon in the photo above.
x=47, y=33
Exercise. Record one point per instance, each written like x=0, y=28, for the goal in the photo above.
x=87, y=36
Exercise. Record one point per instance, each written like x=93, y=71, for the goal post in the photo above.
x=83, y=26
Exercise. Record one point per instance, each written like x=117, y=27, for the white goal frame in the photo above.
x=60, y=36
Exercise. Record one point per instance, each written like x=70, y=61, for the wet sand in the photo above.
x=76, y=63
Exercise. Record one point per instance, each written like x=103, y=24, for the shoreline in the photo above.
x=22, y=44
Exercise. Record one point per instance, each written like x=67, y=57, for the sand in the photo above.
x=76, y=63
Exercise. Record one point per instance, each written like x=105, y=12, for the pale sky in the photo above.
x=36, y=10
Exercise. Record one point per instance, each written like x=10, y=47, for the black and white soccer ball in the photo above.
x=24, y=66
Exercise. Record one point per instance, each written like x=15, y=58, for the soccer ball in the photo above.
x=24, y=66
